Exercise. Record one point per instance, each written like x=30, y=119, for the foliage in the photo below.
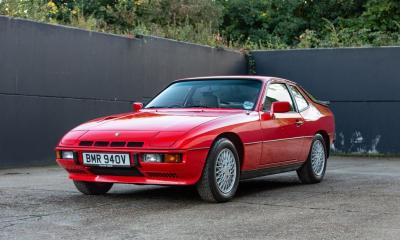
x=243, y=24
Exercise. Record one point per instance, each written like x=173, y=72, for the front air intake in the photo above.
x=86, y=143
x=117, y=144
x=101, y=144
x=135, y=144
x=162, y=174
x=112, y=144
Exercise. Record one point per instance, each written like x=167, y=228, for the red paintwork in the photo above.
x=280, y=107
x=267, y=140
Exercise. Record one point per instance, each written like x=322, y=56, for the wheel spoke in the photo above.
x=225, y=170
x=318, y=157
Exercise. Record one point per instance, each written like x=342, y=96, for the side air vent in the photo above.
x=86, y=143
x=101, y=144
x=135, y=144
x=117, y=144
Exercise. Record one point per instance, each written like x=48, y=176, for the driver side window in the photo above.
x=277, y=92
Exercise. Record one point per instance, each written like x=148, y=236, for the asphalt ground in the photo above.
x=358, y=199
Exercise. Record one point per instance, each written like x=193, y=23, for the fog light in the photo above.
x=152, y=158
x=67, y=155
x=172, y=158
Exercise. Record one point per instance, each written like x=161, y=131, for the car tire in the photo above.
x=223, y=164
x=313, y=170
x=92, y=188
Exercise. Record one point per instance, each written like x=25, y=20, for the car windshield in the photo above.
x=234, y=93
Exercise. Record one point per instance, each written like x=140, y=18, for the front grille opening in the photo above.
x=135, y=144
x=117, y=144
x=86, y=143
x=115, y=171
x=162, y=174
x=76, y=171
x=101, y=144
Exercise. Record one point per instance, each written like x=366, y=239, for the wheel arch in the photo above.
x=325, y=135
x=236, y=140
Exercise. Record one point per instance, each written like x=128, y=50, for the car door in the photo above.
x=281, y=135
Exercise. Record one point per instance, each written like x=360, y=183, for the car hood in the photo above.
x=151, y=128
x=149, y=121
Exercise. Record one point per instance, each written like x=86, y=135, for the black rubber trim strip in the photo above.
x=269, y=171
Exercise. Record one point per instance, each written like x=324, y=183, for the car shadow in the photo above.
x=146, y=192
x=265, y=184
x=189, y=193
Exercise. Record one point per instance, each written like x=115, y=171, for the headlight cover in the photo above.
x=67, y=155
x=152, y=158
x=162, y=158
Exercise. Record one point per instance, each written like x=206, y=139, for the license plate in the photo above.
x=106, y=159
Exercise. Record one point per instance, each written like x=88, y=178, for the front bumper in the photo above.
x=188, y=172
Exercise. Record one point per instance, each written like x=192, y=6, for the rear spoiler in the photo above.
x=325, y=103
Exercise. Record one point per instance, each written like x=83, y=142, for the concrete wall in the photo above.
x=363, y=85
x=53, y=78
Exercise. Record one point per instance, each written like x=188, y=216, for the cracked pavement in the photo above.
x=359, y=199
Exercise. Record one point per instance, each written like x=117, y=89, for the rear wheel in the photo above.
x=220, y=177
x=92, y=188
x=313, y=170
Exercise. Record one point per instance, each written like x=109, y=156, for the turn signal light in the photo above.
x=162, y=158
x=58, y=154
x=172, y=158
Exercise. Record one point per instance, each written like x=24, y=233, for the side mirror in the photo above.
x=136, y=106
x=276, y=107
x=280, y=107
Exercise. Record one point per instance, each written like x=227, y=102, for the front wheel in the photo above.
x=313, y=170
x=221, y=172
x=92, y=188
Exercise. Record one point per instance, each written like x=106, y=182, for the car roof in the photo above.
x=241, y=77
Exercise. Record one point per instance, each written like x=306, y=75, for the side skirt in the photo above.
x=269, y=171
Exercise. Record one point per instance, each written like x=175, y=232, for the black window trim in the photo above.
x=287, y=88
x=294, y=100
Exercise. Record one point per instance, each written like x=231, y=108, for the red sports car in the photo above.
x=210, y=132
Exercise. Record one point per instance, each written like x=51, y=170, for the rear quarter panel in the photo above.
x=317, y=118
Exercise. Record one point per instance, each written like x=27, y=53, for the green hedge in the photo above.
x=240, y=24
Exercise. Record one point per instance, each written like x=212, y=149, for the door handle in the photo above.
x=299, y=122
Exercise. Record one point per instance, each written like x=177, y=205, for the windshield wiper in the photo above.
x=197, y=106
x=156, y=107
x=162, y=107
x=192, y=106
